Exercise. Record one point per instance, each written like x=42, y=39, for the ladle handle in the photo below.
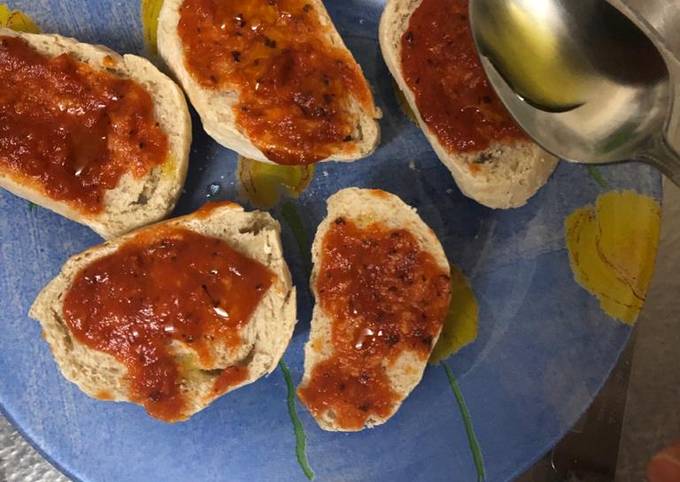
x=661, y=155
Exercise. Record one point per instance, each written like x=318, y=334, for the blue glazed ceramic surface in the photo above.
x=543, y=351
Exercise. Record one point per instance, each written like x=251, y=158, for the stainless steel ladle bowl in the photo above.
x=581, y=78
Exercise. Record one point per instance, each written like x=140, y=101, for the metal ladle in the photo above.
x=581, y=78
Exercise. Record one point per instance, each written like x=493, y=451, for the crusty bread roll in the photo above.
x=364, y=207
x=511, y=173
x=133, y=202
x=215, y=107
x=264, y=338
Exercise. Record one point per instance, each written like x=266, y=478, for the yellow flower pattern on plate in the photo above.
x=612, y=248
x=460, y=325
x=263, y=184
x=149, y=11
x=16, y=20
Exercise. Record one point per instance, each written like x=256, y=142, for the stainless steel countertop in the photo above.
x=19, y=462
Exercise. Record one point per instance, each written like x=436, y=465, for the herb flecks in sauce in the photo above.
x=297, y=90
x=167, y=287
x=387, y=299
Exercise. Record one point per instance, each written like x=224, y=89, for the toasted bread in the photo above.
x=512, y=172
x=364, y=207
x=264, y=338
x=134, y=202
x=216, y=106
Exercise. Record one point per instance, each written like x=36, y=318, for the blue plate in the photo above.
x=543, y=351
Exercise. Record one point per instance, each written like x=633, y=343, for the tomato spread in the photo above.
x=453, y=95
x=229, y=378
x=72, y=131
x=294, y=86
x=209, y=208
x=162, y=287
x=385, y=296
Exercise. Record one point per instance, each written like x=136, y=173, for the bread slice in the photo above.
x=215, y=107
x=133, y=202
x=364, y=207
x=511, y=172
x=265, y=338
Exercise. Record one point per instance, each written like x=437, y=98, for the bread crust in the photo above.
x=512, y=172
x=133, y=202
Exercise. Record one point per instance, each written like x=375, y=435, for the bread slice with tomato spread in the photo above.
x=82, y=88
x=272, y=81
x=174, y=315
x=381, y=282
x=500, y=172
